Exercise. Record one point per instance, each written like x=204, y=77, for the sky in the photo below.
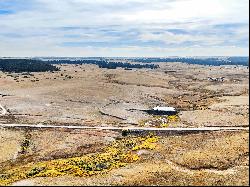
x=125, y=28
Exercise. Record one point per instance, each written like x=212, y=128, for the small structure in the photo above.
x=162, y=111
x=128, y=68
x=220, y=79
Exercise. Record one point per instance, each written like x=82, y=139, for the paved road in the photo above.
x=4, y=111
x=126, y=128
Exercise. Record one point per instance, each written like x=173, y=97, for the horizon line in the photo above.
x=123, y=56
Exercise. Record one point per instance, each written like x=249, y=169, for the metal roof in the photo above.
x=172, y=109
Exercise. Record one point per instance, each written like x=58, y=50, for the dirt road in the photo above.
x=127, y=128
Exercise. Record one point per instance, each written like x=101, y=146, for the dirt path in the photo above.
x=216, y=171
x=3, y=111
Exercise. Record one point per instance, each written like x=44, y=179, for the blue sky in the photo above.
x=124, y=28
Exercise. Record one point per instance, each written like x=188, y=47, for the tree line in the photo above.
x=25, y=65
x=212, y=61
x=105, y=64
x=36, y=65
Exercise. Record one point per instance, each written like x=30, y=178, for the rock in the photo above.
x=109, y=139
x=143, y=152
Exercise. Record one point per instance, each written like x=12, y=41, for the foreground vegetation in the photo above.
x=118, y=154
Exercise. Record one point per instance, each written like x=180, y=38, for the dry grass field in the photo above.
x=88, y=95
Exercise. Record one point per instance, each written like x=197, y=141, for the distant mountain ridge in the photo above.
x=213, y=61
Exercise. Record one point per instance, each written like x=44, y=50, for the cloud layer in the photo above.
x=124, y=28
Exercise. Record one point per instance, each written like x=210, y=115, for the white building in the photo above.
x=165, y=109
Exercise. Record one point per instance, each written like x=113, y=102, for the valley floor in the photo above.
x=85, y=95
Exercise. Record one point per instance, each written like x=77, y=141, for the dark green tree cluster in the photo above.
x=25, y=65
x=105, y=64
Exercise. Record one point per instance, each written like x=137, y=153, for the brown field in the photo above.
x=88, y=95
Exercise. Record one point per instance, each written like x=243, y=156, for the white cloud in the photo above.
x=171, y=38
x=138, y=21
